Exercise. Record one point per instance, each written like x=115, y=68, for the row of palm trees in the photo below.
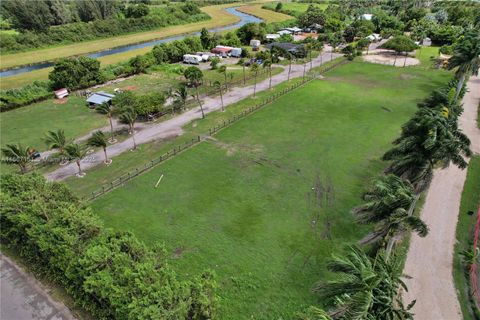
x=368, y=285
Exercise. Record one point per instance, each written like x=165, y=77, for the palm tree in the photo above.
x=217, y=84
x=107, y=110
x=99, y=140
x=268, y=64
x=254, y=70
x=365, y=288
x=223, y=69
x=76, y=152
x=17, y=154
x=387, y=205
x=181, y=95
x=129, y=116
x=244, y=65
x=194, y=76
x=57, y=140
x=290, y=58
x=427, y=139
x=466, y=58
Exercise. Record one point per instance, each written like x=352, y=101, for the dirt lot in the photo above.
x=389, y=57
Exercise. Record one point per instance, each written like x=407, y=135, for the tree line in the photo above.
x=369, y=278
x=86, y=20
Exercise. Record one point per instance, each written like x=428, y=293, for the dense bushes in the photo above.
x=14, y=98
x=81, y=31
x=74, y=73
x=110, y=274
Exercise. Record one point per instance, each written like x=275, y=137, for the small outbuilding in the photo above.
x=99, y=98
x=61, y=93
x=367, y=16
x=272, y=36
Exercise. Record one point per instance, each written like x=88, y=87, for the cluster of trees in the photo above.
x=369, y=280
x=108, y=21
x=110, y=274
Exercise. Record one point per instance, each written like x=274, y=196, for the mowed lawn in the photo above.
x=241, y=203
x=28, y=125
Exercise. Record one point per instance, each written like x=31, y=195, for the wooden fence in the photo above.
x=212, y=131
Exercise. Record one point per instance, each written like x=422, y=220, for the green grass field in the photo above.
x=267, y=15
x=238, y=203
x=465, y=227
x=426, y=55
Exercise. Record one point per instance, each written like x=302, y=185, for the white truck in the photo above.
x=192, y=59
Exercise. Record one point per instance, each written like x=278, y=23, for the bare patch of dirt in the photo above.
x=60, y=101
x=178, y=252
x=388, y=58
x=130, y=88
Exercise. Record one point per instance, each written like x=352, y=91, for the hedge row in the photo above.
x=110, y=274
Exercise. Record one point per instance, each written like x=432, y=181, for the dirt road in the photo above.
x=430, y=259
x=174, y=126
x=22, y=297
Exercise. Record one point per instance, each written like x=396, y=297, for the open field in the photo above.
x=219, y=17
x=465, y=227
x=296, y=7
x=267, y=15
x=238, y=203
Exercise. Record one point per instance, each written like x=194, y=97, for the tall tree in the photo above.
x=107, y=110
x=223, y=70
x=76, y=152
x=129, y=116
x=218, y=85
x=205, y=38
x=428, y=139
x=254, y=70
x=387, y=205
x=365, y=288
x=99, y=140
x=466, y=58
x=267, y=64
x=181, y=95
x=29, y=15
x=17, y=154
x=194, y=77
x=56, y=140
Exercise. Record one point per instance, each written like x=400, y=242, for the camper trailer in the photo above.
x=236, y=52
x=255, y=44
x=192, y=59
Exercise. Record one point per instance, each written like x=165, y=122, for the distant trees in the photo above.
x=251, y=31
x=137, y=10
x=279, y=7
x=313, y=15
x=73, y=73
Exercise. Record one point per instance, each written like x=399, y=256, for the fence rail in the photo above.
x=212, y=131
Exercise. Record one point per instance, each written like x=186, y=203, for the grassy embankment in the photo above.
x=466, y=223
x=296, y=7
x=238, y=203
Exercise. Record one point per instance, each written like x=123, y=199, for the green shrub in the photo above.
x=14, y=98
x=110, y=274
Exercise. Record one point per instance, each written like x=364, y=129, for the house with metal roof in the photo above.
x=99, y=98
x=297, y=50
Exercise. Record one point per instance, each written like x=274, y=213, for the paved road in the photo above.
x=430, y=259
x=173, y=127
x=22, y=298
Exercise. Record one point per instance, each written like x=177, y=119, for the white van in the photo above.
x=192, y=59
